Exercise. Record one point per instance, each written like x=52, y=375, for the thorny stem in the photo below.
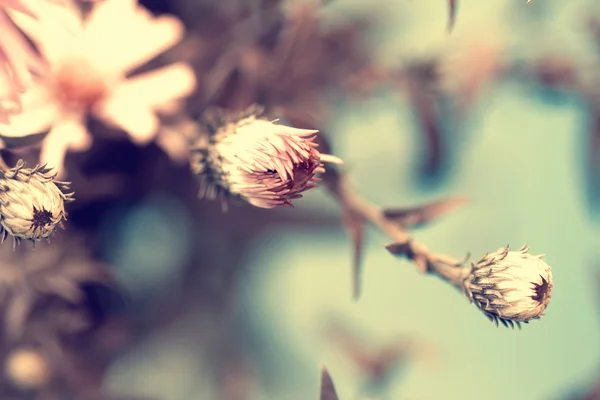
x=445, y=267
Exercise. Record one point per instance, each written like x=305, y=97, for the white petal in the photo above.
x=137, y=120
x=67, y=135
x=328, y=158
x=56, y=33
x=38, y=113
x=124, y=36
x=160, y=86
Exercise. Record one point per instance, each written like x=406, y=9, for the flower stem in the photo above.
x=446, y=267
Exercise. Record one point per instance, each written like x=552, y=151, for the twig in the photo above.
x=444, y=266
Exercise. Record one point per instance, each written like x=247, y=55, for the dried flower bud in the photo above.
x=264, y=163
x=510, y=286
x=32, y=203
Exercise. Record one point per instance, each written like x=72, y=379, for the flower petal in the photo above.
x=158, y=87
x=25, y=6
x=10, y=102
x=18, y=54
x=56, y=34
x=38, y=113
x=69, y=134
x=124, y=36
x=137, y=120
x=131, y=106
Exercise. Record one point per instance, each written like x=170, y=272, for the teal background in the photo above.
x=520, y=160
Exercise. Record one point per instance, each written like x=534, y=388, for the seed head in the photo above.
x=32, y=203
x=255, y=159
x=510, y=286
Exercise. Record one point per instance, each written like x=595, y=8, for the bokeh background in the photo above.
x=520, y=157
x=250, y=304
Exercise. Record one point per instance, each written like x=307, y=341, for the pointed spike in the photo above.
x=328, y=391
x=398, y=249
x=452, y=9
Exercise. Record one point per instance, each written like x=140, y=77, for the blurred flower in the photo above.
x=55, y=306
x=27, y=368
x=264, y=163
x=32, y=204
x=89, y=61
x=510, y=286
x=41, y=290
x=17, y=57
x=470, y=66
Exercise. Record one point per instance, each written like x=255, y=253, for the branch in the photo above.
x=359, y=211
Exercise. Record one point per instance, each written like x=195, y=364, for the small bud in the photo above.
x=27, y=369
x=32, y=204
x=258, y=160
x=510, y=286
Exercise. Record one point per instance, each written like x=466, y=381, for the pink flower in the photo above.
x=17, y=57
x=89, y=62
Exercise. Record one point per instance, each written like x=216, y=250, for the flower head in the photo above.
x=510, y=286
x=265, y=163
x=32, y=204
x=89, y=63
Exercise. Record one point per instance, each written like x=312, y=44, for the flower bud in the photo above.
x=265, y=163
x=32, y=204
x=510, y=286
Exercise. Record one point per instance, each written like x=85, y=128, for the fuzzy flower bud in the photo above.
x=265, y=163
x=32, y=204
x=510, y=286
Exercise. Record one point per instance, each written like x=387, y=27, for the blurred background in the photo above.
x=249, y=304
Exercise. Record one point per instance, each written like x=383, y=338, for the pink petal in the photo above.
x=24, y=6
x=18, y=53
x=124, y=36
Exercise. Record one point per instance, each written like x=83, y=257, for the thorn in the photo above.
x=452, y=5
x=398, y=249
x=327, y=388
